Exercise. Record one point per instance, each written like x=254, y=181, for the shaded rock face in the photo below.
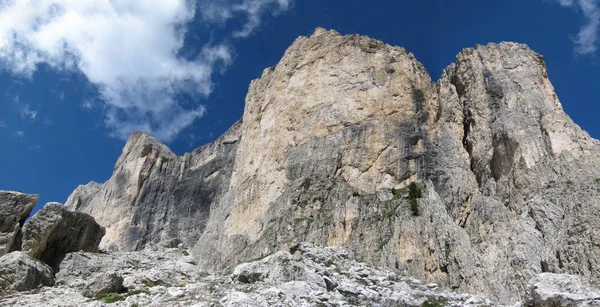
x=332, y=135
x=19, y=272
x=54, y=231
x=15, y=207
x=156, y=197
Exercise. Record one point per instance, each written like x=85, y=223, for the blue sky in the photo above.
x=76, y=77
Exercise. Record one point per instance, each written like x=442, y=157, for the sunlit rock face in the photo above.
x=329, y=140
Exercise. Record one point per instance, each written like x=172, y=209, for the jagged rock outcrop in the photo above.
x=19, y=272
x=550, y=290
x=15, y=207
x=54, y=231
x=156, y=197
x=330, y=138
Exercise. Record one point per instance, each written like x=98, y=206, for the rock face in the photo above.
x=54, y=231
x=156, y=197
x=549, y=290
x=19, y=272
x=328, y=142
x=14, y=209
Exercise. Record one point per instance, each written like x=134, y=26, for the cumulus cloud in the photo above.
x=29, y=113
x=2, y=123
x=129, y=49
x=586, y=41
x=20, y=133
x=252, y=10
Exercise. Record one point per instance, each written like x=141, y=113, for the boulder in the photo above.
x=55, y=231
x=19, y=272
x=550, y=290
x=278, y=268
x=103, y=283
x=14, y=209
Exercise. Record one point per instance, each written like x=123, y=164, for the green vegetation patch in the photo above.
x=414, y=192
x=109, y=297
x=435, y=302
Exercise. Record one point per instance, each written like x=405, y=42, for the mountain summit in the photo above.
x=477, y=182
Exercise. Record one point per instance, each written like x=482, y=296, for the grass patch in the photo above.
x=149, y=283
x=109, y=297
x=435, y=302
x=597, y=180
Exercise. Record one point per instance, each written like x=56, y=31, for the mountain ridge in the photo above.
x=331, y=134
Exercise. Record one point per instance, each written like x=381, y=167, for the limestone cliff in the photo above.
x=330, y=138
x=156, y=197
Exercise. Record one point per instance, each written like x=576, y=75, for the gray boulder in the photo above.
x=14, y=209
x=278, y=268
x=551, y=290
x=19, y=272
x=55, y=231
x=103, y=283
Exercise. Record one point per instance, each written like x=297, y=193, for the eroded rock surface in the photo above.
x=15, y=207
x=54, y=231
x=19, y=272
x=330, y=138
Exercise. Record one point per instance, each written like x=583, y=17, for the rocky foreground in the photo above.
x=303, y=276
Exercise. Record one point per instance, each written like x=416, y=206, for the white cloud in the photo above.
x=20, y=133
x=252, y=10
x=87, y=104
x=586, y=40
x=27, y=112
x=129, y=49
x=2, y=123
x=34, y=147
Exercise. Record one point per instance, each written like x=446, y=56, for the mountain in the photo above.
x=505, y=185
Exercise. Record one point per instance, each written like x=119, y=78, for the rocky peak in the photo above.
x=143, y=146
x=330, y=139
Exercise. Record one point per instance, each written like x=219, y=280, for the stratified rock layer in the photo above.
x=329, y=140
x=14, y=209
x=54, y=231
